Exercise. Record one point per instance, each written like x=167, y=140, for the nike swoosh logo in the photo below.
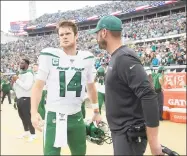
x=132, y=66
x=110, y=68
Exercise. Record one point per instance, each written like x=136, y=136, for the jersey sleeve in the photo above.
x=45, y=63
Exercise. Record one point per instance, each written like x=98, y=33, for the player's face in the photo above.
x=101, y=41
x=67, y=37
x=22, y=65
x=35, y=68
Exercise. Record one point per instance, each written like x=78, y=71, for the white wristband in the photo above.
x=95, y=106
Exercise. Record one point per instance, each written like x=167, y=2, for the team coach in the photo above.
x=131, y=103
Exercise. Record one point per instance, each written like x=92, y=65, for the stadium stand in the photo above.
x=5, y=37
x=144, y=36
x=87, y=12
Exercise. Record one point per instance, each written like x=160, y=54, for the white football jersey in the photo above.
x=67, y=78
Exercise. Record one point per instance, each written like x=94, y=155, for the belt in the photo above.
x=23, y=97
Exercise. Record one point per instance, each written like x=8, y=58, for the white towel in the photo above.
x=61, y=130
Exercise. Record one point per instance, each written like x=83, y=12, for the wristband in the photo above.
x=95, y=106
x=96, y=112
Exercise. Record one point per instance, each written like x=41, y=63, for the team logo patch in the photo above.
x=55, y=62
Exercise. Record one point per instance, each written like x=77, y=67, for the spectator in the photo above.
x=155, y=61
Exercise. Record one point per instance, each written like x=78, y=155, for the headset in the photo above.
x=168, y=151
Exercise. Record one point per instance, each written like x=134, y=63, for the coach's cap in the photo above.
x=108, y=22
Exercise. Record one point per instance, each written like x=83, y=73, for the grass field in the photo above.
x=172, y=135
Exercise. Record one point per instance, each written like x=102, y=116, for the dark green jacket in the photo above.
x=156, y=82
x=6, y=87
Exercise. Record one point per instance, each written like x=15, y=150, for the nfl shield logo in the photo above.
x=71, y=60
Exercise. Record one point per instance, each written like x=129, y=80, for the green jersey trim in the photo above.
x=48, y=54
x=89, y=57
x=26, y=71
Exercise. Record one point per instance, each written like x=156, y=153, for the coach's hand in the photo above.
x=96, y=117
x=156, y=149
x=37, y=121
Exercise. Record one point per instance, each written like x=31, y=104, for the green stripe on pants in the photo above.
x=76, y=131
x=101, y=100
x=83, y=110
x=41, y=107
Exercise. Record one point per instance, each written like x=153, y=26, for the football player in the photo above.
x=35, y=68
x=100, y=78
x=67, y=73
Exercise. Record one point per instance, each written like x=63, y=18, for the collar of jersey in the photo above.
x=71, y=55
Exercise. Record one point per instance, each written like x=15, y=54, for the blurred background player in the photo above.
x=35, y=69
x=2, y=81
x=6, y=87
x=158, y=81
x=100, y=78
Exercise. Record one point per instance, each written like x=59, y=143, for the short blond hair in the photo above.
x=67, y=23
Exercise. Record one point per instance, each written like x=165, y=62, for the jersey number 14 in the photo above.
x=73, y=85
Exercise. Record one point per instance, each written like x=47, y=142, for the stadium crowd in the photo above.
x=156, y=27
x=154, y=53
x=87, y=12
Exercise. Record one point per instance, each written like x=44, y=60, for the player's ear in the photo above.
x=76, y=36
x=104, y=33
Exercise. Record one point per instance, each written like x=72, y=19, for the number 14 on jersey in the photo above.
x=73, y=85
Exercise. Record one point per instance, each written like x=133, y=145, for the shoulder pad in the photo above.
x=54, y=52
x=86, y=55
